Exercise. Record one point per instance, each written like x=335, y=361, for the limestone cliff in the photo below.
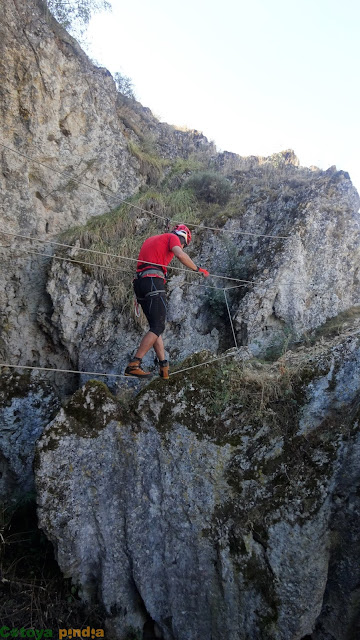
x=224, y=504
x=291, y=235
x=69, y=150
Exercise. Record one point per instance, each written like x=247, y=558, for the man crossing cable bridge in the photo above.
x=149, y=286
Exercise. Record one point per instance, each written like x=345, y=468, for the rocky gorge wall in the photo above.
x=293, y=241
x=225, y=503
x=209, y=514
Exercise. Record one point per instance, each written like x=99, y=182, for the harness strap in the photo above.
x=150, y=272
x=151, y=294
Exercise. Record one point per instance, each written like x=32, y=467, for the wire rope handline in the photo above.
x=90, y=373
x=108, y=375
x=230, y=318
x=202, y=364
x=113, y=255
x=131, y=204
x=245, y=283
x=75, y=261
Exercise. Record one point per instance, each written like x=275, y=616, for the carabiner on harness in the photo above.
x=136, y=308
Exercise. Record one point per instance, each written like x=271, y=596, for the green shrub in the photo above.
x=210, y=187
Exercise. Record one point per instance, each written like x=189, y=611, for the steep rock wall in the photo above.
x=62, y=111
x=26, y=404
x=64, y=117
x=314, y=275
x=300, y=267
x=209, y=517
x=65, y=156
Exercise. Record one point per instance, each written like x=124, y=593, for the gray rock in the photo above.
x=194, y=511
x=26, y=405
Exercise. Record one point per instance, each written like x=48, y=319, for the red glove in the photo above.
x=206, y=273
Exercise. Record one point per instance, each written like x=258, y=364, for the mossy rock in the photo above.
x=86, y=414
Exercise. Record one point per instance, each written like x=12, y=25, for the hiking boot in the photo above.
x=164, y=369
x=134, y=369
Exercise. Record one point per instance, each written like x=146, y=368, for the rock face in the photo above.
x=224, y=504
x=49, y=113
x=314, y=275
x=299, y=269
x=66, y=155
x=212, y=519
x=26, y=404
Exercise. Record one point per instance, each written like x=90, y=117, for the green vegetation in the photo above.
x=334, y=326
x=210, y=187
x=86, y=414
x=151, y=164
x=256, y=392
x=86, y=407
x=181, y=168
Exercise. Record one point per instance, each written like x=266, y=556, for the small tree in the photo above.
x=75, y=14
x=124, y=85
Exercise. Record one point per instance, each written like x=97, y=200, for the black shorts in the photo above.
x=152, y=303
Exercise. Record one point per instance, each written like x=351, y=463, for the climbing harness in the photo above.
x=149, y=271
x=151, y=294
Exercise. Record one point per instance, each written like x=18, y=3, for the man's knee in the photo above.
x=158, y=326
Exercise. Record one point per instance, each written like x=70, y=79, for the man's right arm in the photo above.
x=184, y=258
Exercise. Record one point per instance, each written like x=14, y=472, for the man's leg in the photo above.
x=149, y=340
x=160, y=352
x=159, y=349
x=154, y=307
x=134, y=367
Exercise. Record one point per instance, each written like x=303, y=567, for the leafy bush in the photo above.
x=210, y=187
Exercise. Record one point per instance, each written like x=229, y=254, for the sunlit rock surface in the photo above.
x=226, y=503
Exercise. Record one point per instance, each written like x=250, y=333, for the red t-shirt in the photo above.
x=157, y=250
